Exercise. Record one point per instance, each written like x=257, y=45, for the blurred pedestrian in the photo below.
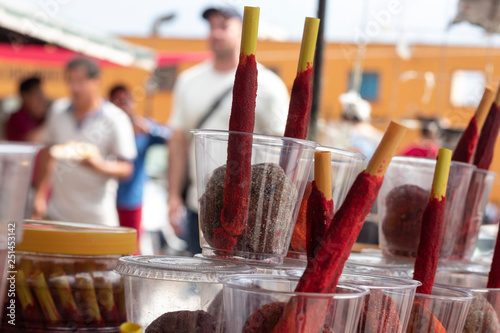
x=356, y=116
x=26, y=124
x=147, y=133
x=96, y=146
x=202, y=99
x=427, y=145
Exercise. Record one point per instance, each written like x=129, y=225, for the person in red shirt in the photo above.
x=427, y=146
x=26, y=123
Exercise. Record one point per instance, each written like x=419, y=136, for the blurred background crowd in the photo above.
x=115, y=113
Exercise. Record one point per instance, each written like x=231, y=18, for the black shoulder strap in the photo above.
x=214, y=107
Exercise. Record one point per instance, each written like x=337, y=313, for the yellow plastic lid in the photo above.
x=130, y=328
x=76, y=238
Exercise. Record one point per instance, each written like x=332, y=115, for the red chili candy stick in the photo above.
x=320, y=203
x=467, y=143
x=488, y=137
x=239, y=150
x=301, y=97
x=494, y=276
x=323, y=271
x=432, y=226
x=482, y=160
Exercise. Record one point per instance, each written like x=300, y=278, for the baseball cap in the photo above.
x=228, y=12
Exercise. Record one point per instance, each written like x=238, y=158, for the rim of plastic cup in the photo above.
x=484, y=275
x=397, y=282
x=460, y=293
x=344, y=152
x=379, y=262
x=229, y=281
x=179, y=268
x=18, y=148
x=455, y=265
x=402, y=283
x=427, y=161
x=490, y=173
x=288, y=263
x=309, y=143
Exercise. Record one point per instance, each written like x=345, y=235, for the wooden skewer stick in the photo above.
x=323, y=173
x=386, y=149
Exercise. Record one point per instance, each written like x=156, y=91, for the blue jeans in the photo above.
x=192, y=236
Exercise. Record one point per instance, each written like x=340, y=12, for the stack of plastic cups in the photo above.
x=15, y=175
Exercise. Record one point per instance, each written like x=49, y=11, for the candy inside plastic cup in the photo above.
x=477, y=197
x=484, y=313
x=244, y=294
x=404, y=196
x=446, y=304
x=279, y=174
x=345, y=166
x=390, y=300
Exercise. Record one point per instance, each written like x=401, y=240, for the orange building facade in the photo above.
x=438, y=81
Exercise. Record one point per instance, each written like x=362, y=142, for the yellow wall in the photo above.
x=397, y=99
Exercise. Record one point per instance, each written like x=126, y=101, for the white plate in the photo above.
x=74, y=151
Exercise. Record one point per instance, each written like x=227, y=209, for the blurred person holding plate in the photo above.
x=90, y=144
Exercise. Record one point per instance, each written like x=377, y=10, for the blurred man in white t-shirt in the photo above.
x=82, y=181
x=196, y=91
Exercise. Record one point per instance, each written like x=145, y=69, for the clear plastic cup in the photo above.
x=484, y=312
x=387, y=309
x=447, y=307
x=345, y=165
x=378, y=264
x=404, y=196
x=16, y=162
x=245, y=294
x=176, y=290
x=468, y=228
x=280, y=170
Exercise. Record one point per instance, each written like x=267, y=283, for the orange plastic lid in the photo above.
x=76, y=238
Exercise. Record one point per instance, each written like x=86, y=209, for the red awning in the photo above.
x=173, y=58
x=53, y=55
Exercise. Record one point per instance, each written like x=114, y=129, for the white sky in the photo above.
x=414, y=21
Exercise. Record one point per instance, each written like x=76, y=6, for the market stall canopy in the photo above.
x=19, y=27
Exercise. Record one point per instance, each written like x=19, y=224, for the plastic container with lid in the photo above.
x=178, y=292
x=65, y=279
